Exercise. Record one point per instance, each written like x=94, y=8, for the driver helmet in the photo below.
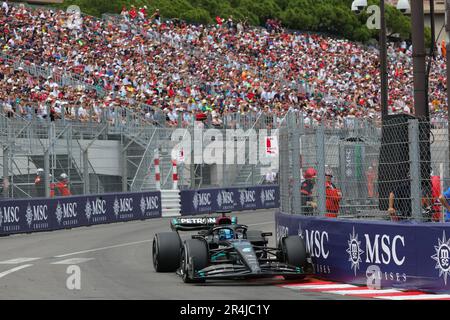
x=40, y=171
x=63, y=176
x=225, y=234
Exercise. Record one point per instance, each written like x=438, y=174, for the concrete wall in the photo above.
x=439, y=21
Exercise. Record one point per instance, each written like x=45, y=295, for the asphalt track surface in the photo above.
x=116, y=263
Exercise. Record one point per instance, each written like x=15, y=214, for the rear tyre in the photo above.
x=166, y=251
x=194, y=250
x=295, y=254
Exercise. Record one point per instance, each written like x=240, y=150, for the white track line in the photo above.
x=318, y=286
x=18, y=260
x=5, y=273
x=365, y=291
x=103, y=248
x=417, y=297
x=73, y=261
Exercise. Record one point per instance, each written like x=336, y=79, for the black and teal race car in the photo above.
x=224, y=249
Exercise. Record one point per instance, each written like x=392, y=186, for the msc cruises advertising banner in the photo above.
x=31, y=215
x=376, y=253
x=203, y=201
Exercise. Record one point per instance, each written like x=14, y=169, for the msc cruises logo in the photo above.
x=88, y=210
x=29, y=215
x=267, y=195
x=201, y=199
x=442, y=257
x=116, y=208
x=354, y=251
x=59, y=213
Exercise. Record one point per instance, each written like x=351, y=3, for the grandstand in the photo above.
x=121, y=77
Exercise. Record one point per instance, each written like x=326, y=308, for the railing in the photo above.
x=144, y=159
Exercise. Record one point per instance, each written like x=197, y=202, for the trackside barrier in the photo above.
x=407, y=255
x=32, y=215
x=170, y=203
x=203, y=201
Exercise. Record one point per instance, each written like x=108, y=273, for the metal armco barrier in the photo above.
x=406, y=255
x=32, y=215
x=205, y=201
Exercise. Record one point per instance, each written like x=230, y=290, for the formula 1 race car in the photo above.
x=224, y=249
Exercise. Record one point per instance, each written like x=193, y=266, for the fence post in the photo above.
x=77, y=114
x=192, y=160
x=47, y=172
x=253, y=174
x=63, y=114
x=224, y=161
x=414, y=162
x=90, y=115
x=321, y=196
x=180, y=120
x=5, y=171
x=124, y=170
x=296, y=204
x=116, y=117
x=86, y=172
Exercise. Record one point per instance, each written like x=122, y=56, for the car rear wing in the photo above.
x=199, y=223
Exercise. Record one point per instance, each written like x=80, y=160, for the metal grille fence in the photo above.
x=115, y=152
x=362, y=171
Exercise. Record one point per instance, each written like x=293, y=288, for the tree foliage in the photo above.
x=330, y=16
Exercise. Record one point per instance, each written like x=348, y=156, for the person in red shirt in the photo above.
x=306, y=192
x=52, y=189
x=62, y=185
x=435, y=193
x=133, y=13
x=39, y=183
x=333, y=196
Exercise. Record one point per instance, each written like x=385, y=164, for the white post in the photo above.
x=174, y=174
x=157, y=172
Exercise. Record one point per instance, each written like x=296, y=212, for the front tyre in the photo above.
x=295, y=254
x=166, y=251
x=194, y=257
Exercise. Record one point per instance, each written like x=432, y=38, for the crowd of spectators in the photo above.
x=190, y=72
